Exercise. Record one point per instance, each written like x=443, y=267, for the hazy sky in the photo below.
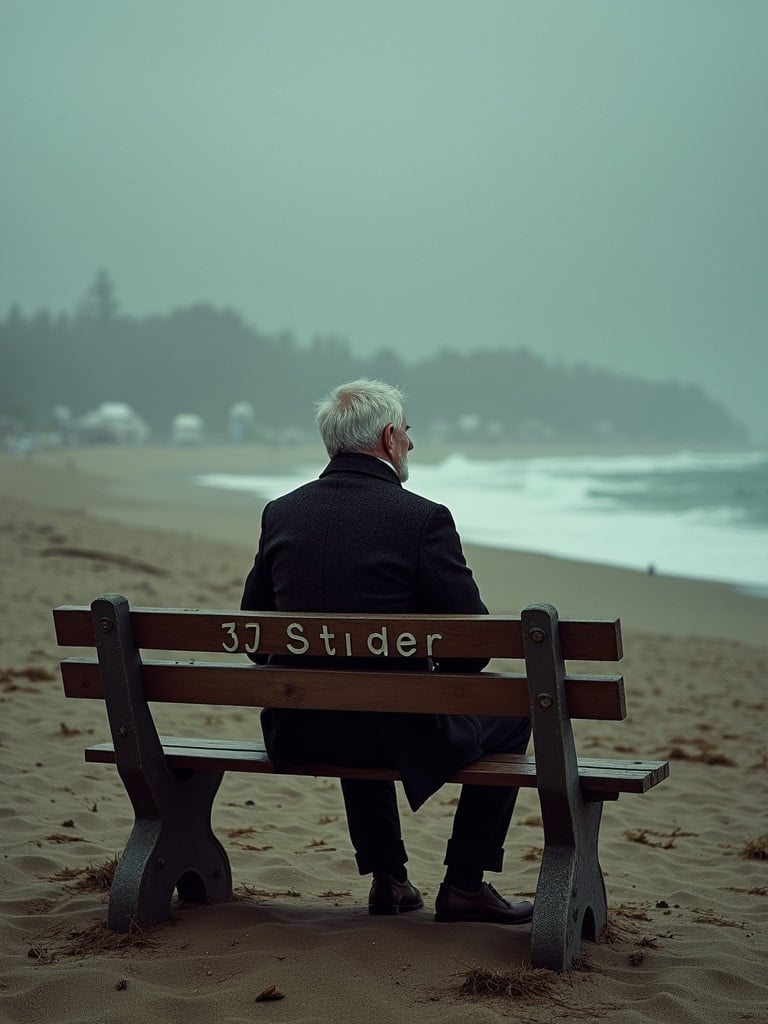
x=588, y=178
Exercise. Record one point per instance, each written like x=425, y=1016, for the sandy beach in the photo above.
x=686, y=865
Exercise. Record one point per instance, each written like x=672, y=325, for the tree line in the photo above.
x=201, y=359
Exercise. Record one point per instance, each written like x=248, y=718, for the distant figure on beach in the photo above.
x=356, y=541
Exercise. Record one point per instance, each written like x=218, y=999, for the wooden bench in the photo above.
x=172, y=781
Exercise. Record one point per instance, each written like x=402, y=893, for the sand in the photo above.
x=686, y=866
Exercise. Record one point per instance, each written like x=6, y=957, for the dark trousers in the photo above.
x=480, y=823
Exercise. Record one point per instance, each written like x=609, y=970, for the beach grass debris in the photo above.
x=640, y=835
x=124, y=561
x=703, y=752
x=245, y=891
x=720, y=922
x=755, y=890
x=622, y=924
x=521, y=983
x=667, y=839
x=97, y=938
x=41, y=954
x=631, y=912
x=236, y=833
x=583, y=964
x=32, y=673
x=320, y=846
x=68, y=730
x=92, y=878
x=269, y=995
x=756, y=849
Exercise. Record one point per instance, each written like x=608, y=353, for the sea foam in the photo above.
x=703, y=516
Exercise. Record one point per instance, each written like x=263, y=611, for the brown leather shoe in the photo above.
x=486, y=904
x=390, y=897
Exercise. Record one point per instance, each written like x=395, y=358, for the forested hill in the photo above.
x=203, y=360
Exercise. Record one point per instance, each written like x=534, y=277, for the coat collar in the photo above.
x=356, y=462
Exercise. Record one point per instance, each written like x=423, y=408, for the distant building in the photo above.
x=187, y=428
x=113, y=423
x=240, y=422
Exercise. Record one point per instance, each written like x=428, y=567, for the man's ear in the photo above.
x=388, y=439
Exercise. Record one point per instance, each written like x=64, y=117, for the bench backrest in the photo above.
x=538, y=637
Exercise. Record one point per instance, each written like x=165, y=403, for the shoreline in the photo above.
x=154, y=489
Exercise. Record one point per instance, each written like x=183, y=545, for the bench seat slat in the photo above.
x=245, y=685
x=596, y=774
x=589, y=761
x=198, y=629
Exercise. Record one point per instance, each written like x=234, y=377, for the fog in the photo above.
x=586, y=179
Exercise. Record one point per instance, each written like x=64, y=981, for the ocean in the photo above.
x=686, y=514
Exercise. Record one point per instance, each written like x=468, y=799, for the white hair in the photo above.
x=353, y=415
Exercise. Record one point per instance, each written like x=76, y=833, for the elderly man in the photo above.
x=356, y=540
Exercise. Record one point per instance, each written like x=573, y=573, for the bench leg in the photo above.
x=174, y=850
x=172, y=844
x=570, y=897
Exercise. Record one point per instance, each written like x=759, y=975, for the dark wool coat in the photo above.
x=355, y=540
